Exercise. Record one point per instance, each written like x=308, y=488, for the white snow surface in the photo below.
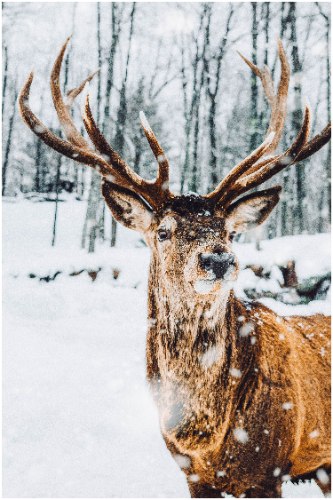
x=78, y=418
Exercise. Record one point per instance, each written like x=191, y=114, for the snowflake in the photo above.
x=314, y=434
x=183, y=461
x=220, y=473
x=322, y=476
x=234, y=372
x=288, y=405
x=241, y=435
x=210, y=357
x=245, y=329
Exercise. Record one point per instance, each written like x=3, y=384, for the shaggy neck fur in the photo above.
x=190, y=351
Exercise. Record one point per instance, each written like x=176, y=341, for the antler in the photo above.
x=108, y=163
x=250, y=173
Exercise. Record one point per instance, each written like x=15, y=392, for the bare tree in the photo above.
x=92, y=221
x=5, y=76
x=192, y=99
x=327, y=177
x=296, y=120
x=11, y=125
x=213, y=83
x=254, y=118
x=119, y=139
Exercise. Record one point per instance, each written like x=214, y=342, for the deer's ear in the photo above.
x=250, y=211
x=127, y=207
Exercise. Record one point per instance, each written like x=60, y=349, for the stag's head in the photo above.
x=190, y=236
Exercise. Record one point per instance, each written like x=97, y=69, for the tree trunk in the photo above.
x=196, y=99
x=186, y=164
x=5, y=77
x=328, y=111
x=116, y=23
x=212, y=93
x=254, y=136
x=323, y=216
x=8, y=144
x=285, y=209
x=116, y=27
x=55, y=219
x=119, y=140
x=299, y=214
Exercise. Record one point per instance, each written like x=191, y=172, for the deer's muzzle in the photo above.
x=220, y=265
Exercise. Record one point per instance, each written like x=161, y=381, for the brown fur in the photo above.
x=281, y=393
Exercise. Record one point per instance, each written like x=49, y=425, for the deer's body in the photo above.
x=243, y=395
x=218, y=367
x=209, y=382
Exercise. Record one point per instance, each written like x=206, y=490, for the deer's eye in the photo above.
x=163, y=234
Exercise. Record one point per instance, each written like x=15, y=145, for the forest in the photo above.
x=78, y=418
x=179, y=64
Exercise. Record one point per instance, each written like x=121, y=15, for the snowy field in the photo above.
x=78, y=418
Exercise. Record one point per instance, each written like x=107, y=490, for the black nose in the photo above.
x=218, y=263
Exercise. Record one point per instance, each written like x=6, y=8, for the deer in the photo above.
x=243, y=394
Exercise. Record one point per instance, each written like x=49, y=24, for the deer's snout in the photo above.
x=219, y=263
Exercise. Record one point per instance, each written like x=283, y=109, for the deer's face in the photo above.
x=193, y=248
x=191, y=241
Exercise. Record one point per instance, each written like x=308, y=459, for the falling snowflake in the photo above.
x=235, y=372
x=288, y=405
x=194, y=478
x=276, y=472
x=183, y=461
x=220, y=473
x=246, y=329
x=210, y=357
x=314, y=434
x=241, y=435
x=322, y=476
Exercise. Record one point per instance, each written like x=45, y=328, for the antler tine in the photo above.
x=122, y=173
x=278, y=104
x=299, y=150
x=315, y=144
x=99, y=141
x=109, y=164
x=239, y=169
x=63, y=110
x=155, y=192
x=297, y=146
x=72, y=94
x=127, y=176
x=278, y=101
x=66, y=148
x=163, y=164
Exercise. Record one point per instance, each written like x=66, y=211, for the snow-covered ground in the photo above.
x=78, y=418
